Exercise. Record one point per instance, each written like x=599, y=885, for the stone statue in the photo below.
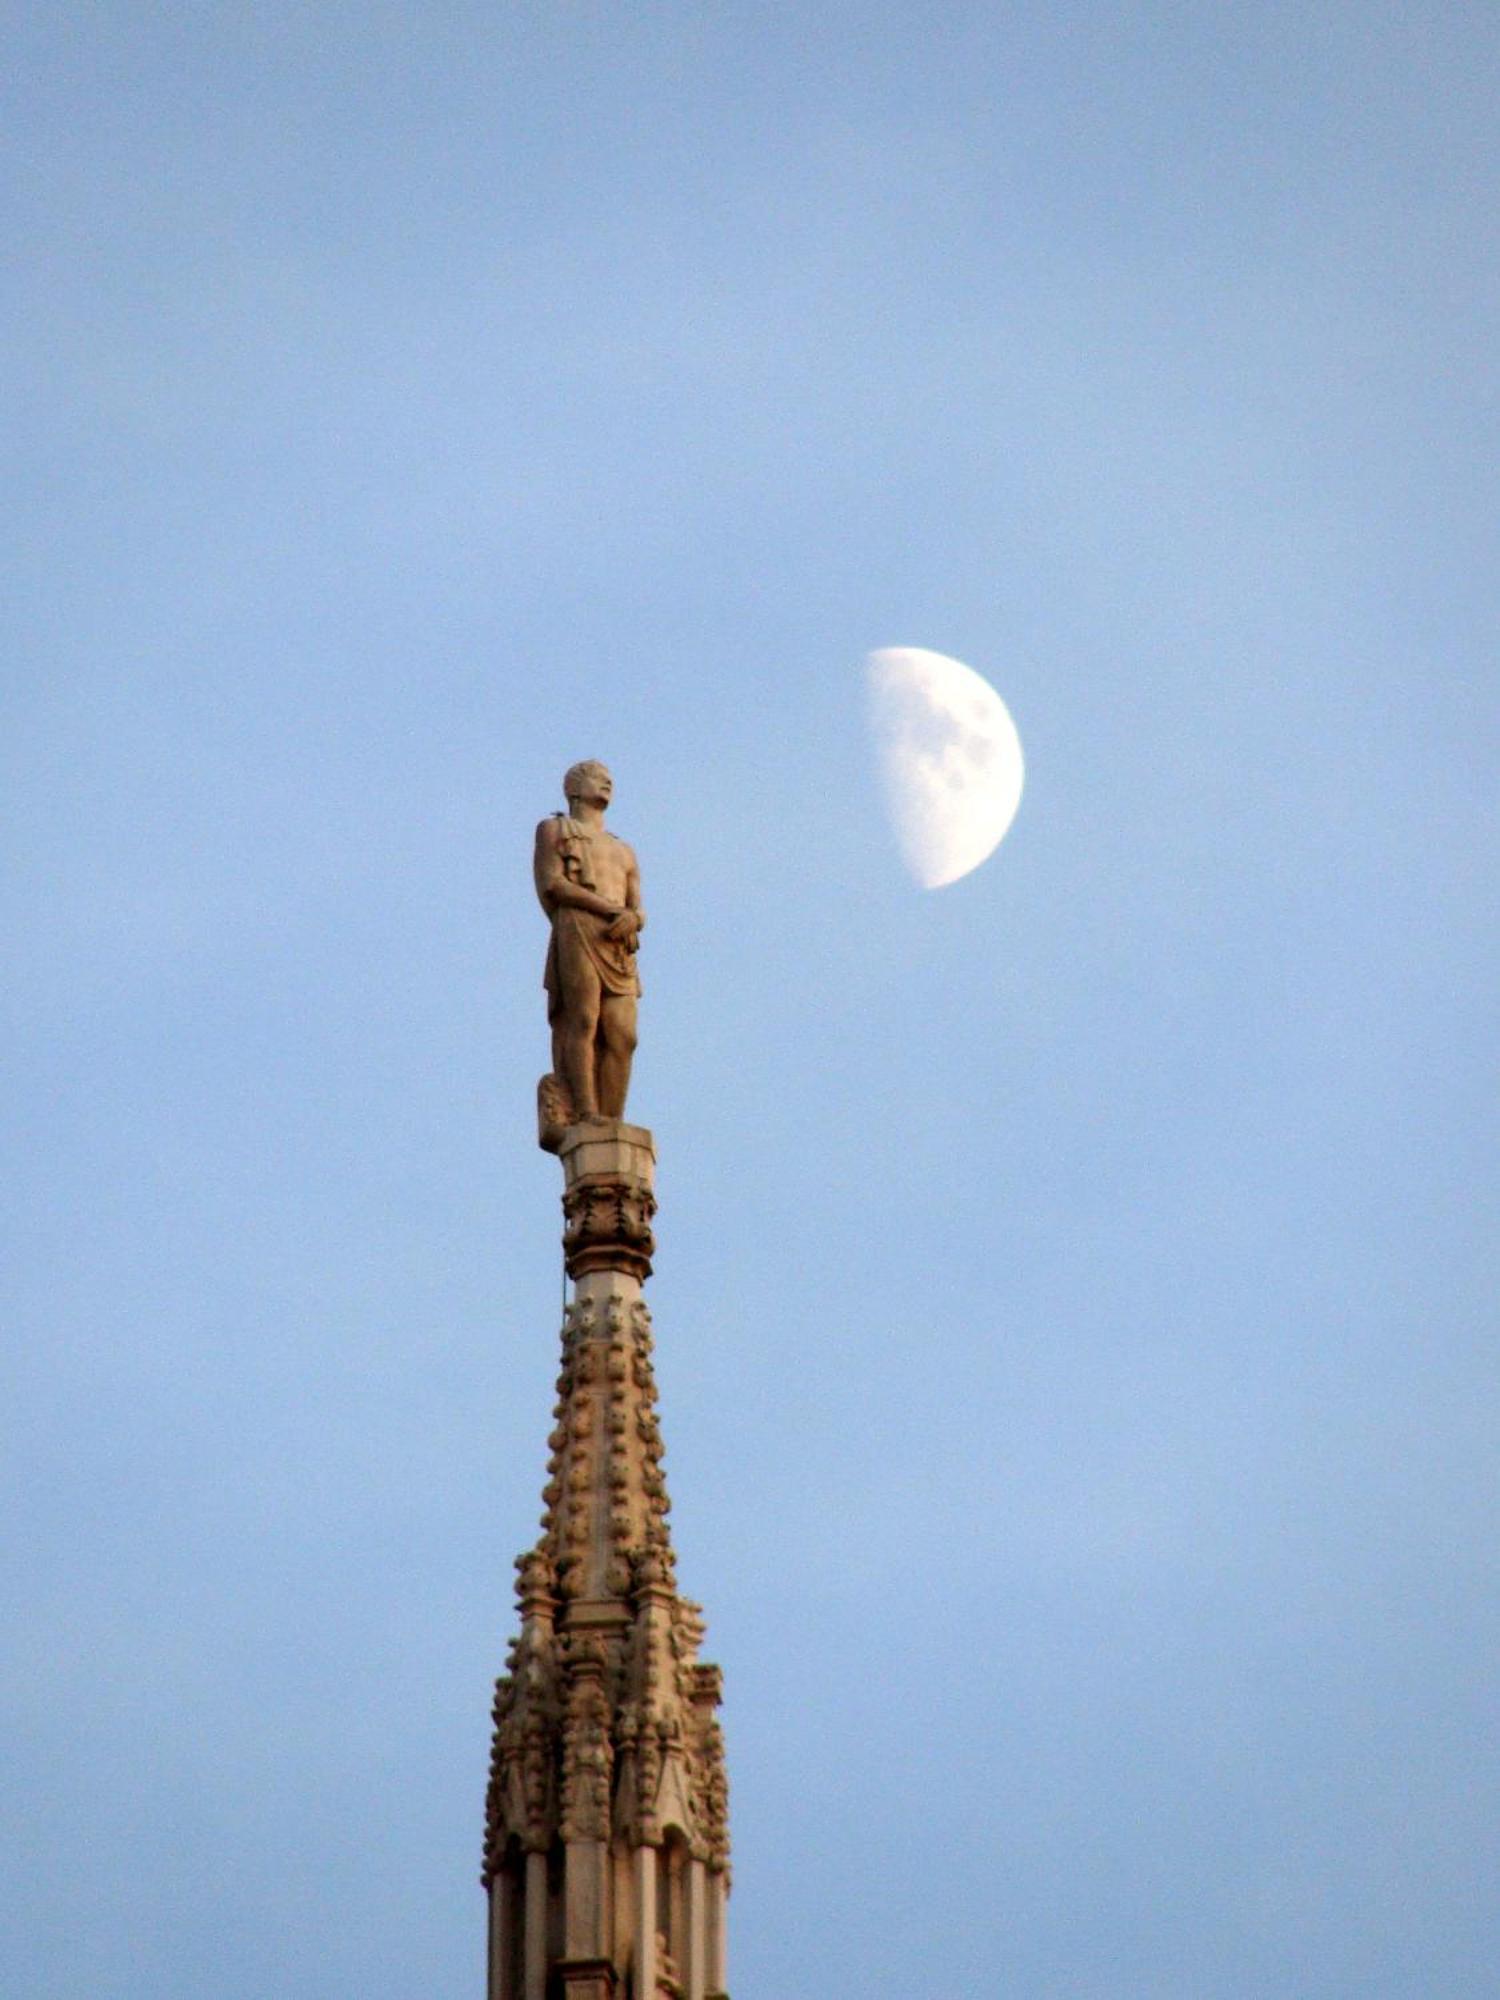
x=590, y=887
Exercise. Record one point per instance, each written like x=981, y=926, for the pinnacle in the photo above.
x=604, y=1718
x=607, y=1807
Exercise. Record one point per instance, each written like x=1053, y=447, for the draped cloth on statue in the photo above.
x=579, y=951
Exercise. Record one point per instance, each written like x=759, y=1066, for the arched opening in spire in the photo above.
x=672, y=1897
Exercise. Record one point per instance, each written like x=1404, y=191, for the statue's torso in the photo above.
x=595, y=858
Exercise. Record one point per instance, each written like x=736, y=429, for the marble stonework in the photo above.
x=606, y=1849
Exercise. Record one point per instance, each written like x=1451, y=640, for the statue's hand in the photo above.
x=623, y=927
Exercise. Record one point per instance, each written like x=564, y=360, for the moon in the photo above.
x=949, y=757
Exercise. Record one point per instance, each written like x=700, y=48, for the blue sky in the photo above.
x=1074, y=1300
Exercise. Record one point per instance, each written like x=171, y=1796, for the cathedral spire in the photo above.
x=606, y=1852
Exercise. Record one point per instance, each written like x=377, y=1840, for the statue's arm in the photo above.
x=544, y=861
x=633, y=893
x=632, y=919
x=554, y=890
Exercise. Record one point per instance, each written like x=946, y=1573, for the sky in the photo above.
x=1073, y=1303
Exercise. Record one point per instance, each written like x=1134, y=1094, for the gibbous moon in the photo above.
x=950, y=758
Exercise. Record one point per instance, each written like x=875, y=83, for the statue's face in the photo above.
x=591, y=783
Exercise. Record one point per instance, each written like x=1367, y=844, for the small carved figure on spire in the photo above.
x=589, y=886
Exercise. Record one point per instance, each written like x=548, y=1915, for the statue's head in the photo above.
x=589, y=780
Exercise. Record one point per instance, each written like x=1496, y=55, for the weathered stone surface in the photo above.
x=608, y=1201
x=588, y=1978
x=590, y=887
x=607, y=1809
x=606, y=1850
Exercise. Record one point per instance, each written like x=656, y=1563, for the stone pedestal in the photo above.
x=608, y=1199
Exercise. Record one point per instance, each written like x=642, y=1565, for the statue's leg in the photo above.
x=616, y=1048
x=576, y=1032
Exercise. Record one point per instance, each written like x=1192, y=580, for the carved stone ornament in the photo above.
x=588, y=1758
x=607, y=1226
x=554, y=1111
x=669, y=1984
